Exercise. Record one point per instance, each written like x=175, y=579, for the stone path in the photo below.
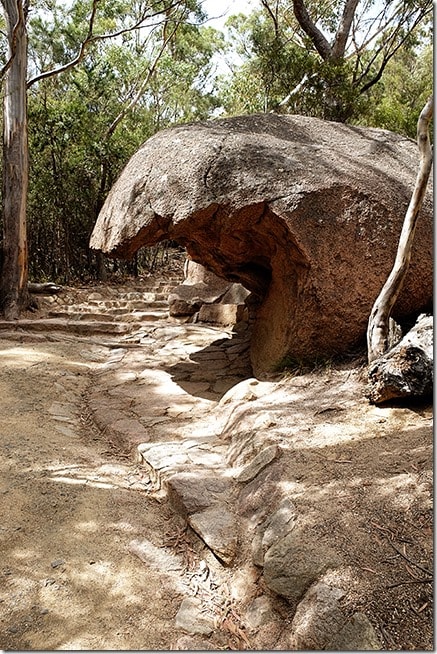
x=243, y=463
x=153, y=379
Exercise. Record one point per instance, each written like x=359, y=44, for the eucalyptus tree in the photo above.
x=13, y=288
x=325, y=57
x=69, y=52
x=378, y=330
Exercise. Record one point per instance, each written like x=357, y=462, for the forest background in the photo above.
x=105, y=75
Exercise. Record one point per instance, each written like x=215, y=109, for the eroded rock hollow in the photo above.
x=305, y=213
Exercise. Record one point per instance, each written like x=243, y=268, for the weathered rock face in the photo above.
x=204, y=293
x=304, y=213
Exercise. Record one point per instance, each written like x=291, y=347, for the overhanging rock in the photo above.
x=304, y=213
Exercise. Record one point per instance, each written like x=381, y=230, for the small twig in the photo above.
x=375, y=572
x=412, y=608
x=411, y=572
x=425, y=570
x=412, y=581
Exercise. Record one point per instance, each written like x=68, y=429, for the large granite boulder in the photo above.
x=304, y=213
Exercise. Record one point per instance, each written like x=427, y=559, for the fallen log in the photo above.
x=47, y=288
x=406, y=371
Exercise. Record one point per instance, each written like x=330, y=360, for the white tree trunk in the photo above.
x=379, y=321
x=14, y=293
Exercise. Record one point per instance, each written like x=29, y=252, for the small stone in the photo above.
x=57, y=563
x=192, y=618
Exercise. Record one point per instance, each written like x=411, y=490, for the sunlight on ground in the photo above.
x=399, y=490
x=21, y=355
x=107, y=476
x=18, y=355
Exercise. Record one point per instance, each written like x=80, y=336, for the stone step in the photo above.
x=74, y=313
x=114, y=308
x=158, y=287
x=144, y=316
x=107, y=304
x=72, y=326
x=121, y=316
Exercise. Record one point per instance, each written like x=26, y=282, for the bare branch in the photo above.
x=78, y=58
x=390, y=49
x=273, y=16
x=111, y=129
x=296, y=89
x=93, y=38
x=378, y=328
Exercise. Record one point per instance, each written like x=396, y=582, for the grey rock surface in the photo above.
x=192, y=618
x=292, y=564
x=219, y=529
x=357, y=634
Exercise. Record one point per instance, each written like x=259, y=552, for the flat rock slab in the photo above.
x=219, y=529
x=191, y=492
x=166, y=459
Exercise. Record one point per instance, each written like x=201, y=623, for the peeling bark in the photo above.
x=14, y=293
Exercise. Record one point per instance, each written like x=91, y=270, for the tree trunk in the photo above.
x=407, y=370
x=378, y=327
x=14, y=294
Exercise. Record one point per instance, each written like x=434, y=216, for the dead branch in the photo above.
x=378, y=326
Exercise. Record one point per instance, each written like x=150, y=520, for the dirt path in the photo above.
x=68, y=578
x=94, y=559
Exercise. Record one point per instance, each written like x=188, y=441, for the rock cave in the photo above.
x=304, y=213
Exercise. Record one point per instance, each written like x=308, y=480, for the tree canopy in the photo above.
x=105, y=75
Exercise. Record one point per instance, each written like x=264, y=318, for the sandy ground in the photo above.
x=68, y=580
x=71, y=506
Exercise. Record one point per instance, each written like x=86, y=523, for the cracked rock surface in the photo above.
x=157, y=495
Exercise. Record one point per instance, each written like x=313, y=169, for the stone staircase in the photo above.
x=88, y=311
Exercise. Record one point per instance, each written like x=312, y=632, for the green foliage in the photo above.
x=402, y=93
x=282, y=71
x=85, y=123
